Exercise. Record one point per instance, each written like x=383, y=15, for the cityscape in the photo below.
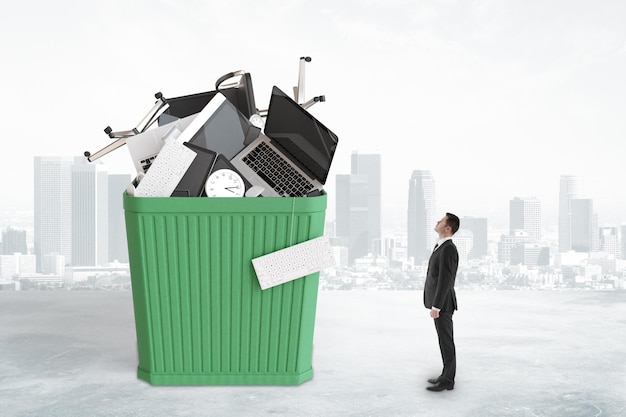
x=509, y=114
x=75, y=238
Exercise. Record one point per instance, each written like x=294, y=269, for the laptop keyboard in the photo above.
x=281, y=176
x=145, y=163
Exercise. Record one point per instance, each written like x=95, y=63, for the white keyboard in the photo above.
x=293, y=262
x=166, y=171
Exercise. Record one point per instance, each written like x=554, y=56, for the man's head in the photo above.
x=448, y=225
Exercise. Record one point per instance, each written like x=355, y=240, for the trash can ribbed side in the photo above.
x=201, y=317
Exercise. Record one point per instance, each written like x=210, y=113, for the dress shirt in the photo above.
x=440, y=242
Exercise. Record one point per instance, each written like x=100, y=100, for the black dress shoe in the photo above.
x=434, y=380
x=441, y=386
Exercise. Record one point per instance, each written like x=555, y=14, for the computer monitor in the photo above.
x=224, y=130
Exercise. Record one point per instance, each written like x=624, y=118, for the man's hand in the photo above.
x=434, y=313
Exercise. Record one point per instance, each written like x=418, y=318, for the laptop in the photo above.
x=292, y=157
x=145, y=146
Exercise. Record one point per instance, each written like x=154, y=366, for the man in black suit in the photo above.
x=440, y=298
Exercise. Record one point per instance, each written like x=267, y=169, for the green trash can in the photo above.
x=201, y=317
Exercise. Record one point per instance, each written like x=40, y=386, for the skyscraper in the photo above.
x=464, y=241
x=14, y=241
x=525, y=214
x=358, y=207
x=609, y=241
x=52, y=207
x=521, y=245
x=351, y=207
x=584, y=232
x=90, y=221
x=370, y=166
x=421, y=216
x=570, y=188
x=118, y=248
x=480, y=239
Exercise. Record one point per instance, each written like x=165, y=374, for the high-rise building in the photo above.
x=609, y=241
x=90, y=222
x=53, y=264
x=421, y=237
x=595, y=233
x=118, y=247
x=370, y=166
x=358, y=207
x=622, y=239
x=14, y=241
x=521, y=246
x=480, y=239
x=464, y=241
x=571, y=187
x=583, y=231
x=508, y=242
x=529, y=254
x=351, y=205
x=52, y=207
x=525, y=214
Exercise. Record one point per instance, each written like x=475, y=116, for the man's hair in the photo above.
x=453, y=221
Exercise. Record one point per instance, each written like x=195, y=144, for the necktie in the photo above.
x=436, y=246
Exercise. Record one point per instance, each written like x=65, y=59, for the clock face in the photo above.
x=225, y=183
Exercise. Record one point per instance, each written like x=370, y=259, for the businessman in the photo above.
x=440, y=298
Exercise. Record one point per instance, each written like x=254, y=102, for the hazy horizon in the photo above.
x=395, y=215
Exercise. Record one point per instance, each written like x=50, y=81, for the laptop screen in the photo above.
x=296, y=132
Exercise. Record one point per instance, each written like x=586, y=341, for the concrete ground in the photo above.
x=528, y=353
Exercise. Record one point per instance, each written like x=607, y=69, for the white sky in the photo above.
x=498, y=98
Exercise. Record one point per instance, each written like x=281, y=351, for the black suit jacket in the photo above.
x=440, y=277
